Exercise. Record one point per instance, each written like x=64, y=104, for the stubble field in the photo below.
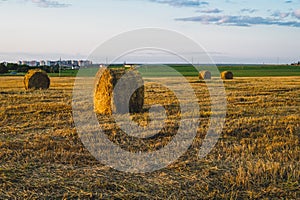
x=257, y=156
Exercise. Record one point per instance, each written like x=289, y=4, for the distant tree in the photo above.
x=23, y=68
x=12, y=66
x=3, y=69
x=52, y=69
x=45, y=68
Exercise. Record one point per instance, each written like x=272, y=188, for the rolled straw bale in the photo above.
x=36, y=79
x=106, y=101
x=204, y=75
x=227, y=75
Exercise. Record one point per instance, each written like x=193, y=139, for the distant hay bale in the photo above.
x=204, y=75
x=36, y=79
x=227, y=75
x=106, y=101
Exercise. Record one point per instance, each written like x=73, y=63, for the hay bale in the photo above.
x=204, y=75
x=106, y=101
x=227, y=75
x=36, y=79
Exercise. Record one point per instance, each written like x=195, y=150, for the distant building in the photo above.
x=69, y=63
x=76, y=67
x=75, y=63
x=42, y=63
x=32, y=63
x=84, y=63
x=63, y=63
x=24, y=63
x=52, y=63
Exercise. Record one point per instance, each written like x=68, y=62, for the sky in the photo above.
x=231, y=31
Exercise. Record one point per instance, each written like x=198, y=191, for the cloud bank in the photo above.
x=49, y=4
x=215, y=10
x=246, y=21
x=297, y=14
x=280, y=14
x=249, y=10
x=182, y=3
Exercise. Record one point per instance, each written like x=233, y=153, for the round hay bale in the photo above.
x=36, y=79
x=204, y=75
x=227, y=75
x=106, y=101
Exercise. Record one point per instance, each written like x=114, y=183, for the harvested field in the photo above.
x=257, y=156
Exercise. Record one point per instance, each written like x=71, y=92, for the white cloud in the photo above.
x=280, y=14
x=182, y=3
x=49, y=4
x=249, y=10
x=297, y=13
x=230, y=20
x=215, y=10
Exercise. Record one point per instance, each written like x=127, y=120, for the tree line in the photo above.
x=13, y=67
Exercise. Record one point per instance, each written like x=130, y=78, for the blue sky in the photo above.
x=257, y=31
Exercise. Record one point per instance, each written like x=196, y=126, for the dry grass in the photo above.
x=257, y=156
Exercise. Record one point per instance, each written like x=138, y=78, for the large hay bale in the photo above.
x=227, y=75
x=106, y=101
x=36, y=79
x=204, y=75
